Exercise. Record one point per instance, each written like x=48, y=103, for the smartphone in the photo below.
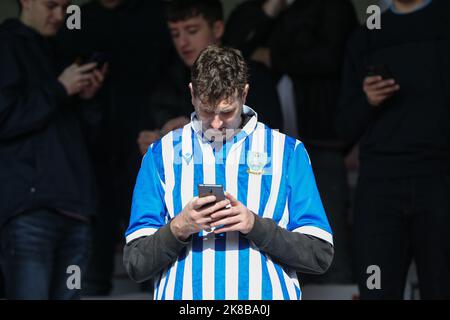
x=205, y=190
x=379, y=70
x=99, y=57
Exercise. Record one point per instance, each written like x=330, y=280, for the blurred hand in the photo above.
x=146, y=138
x=95, y=83
x=196, y=216
x=74, y=78
x=274, y=7
x=236, y=218
x=378, y=90
x=173, y=124
x=262, y=55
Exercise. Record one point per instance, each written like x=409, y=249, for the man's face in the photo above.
x=222, y=123
x=110, y=4
x=44, y=16
x=193, y=35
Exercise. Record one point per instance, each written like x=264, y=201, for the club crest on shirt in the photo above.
x=187, y=157
x=256, y=162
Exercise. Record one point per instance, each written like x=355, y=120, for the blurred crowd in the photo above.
x=79, y=108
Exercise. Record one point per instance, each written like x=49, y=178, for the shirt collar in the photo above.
x=248, y=128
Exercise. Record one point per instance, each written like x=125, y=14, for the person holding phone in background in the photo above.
x=399, y=112
x=46, y=181
x=198, y=248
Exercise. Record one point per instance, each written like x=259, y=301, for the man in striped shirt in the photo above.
x=249, y=246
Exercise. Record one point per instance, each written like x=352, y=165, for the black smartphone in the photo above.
x=379, y=70
x=205, y=190
x=99, y=57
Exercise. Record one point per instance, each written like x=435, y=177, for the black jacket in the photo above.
x=172, y=97
x=43, y=159
x=409, y=134
x=307, y=42
x=136, y=40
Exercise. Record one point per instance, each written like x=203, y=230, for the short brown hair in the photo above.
x=181, y=10
x=219, y=73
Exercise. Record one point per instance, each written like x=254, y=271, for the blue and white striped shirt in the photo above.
x=228, y=266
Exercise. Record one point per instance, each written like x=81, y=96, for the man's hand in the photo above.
x=173, y=124
x=74, y=78
x=95, y=83
x=236, y=218
x=146, y=138
x=196, y=216
x=378, y=90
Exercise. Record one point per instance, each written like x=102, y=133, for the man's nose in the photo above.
x=183, y=40
x=216, y=122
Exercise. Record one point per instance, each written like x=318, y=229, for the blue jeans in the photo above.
x=36, y=250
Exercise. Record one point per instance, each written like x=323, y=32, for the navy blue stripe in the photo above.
x=157, y=157
x=267, y=291
x=220, y=242
x=177, y=168
x=163, y=297
x=243, y=275
x=197, y=242
x=297, y=292
x=244, y=251
x=197, y=267
x=178, y=291
x=266, y=180
x=282, y=198
x=282, y=282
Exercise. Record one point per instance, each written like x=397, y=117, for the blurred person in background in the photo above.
x=395, y=102
x=133, y=37
x=195, y=24
x=47, y=187
x=303, y=42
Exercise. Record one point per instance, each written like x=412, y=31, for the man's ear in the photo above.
x=218, y=30
x=191, y=89
x=245, y=93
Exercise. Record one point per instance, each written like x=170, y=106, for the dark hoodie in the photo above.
x=43, y=159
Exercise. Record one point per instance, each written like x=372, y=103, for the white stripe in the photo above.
x=208, y=254
x=187, y=276
x=187, y=193
x=232, y=238
x=277, y=164
x=168, y=160
x=285, y=218
x=162, y=284
x=253, y=198
x=141, y=233
x=316, y=232
x=289, y=285
x=187, y=171
x=170, y=289
x=275, y=280
x=254, y=180
x=255, y=273
x=294, y=277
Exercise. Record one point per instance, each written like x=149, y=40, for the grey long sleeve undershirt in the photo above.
x=145, y=257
